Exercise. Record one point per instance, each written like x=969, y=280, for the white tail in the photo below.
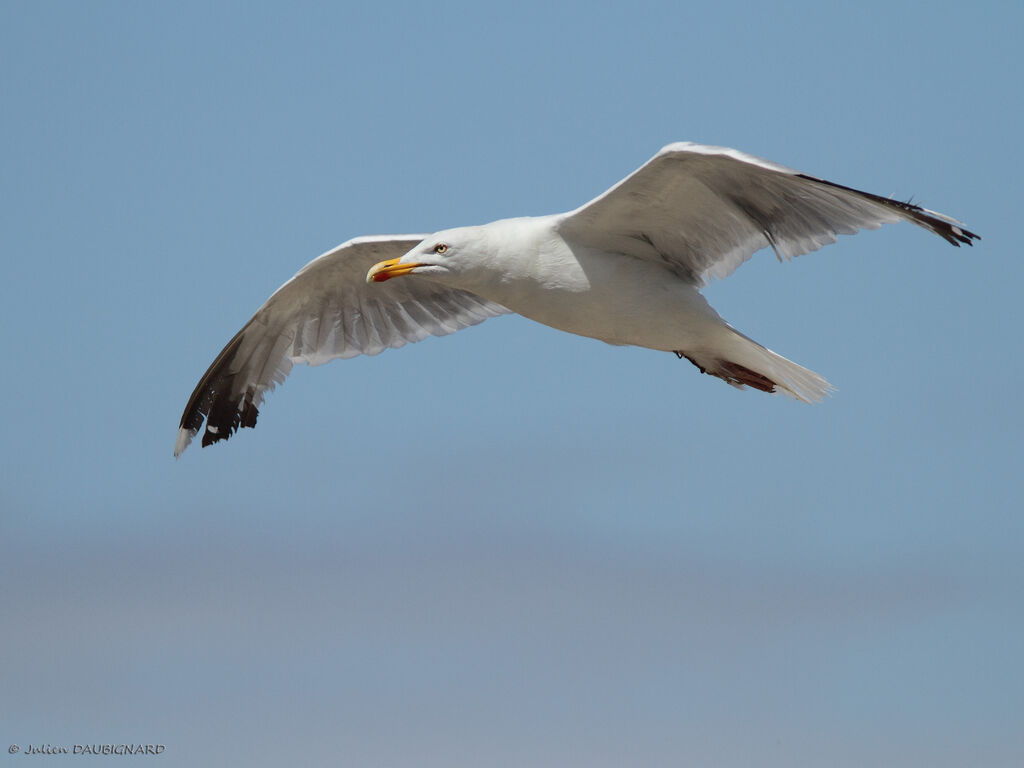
x=742, y=362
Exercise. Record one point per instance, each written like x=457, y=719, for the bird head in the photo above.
x=443, y=256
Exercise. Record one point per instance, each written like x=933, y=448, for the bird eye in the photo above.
x=440, y=247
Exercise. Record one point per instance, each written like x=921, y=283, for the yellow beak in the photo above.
x=385, y=270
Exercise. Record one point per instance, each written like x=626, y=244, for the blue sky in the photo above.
x=510, y=546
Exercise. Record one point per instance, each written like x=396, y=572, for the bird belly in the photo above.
x=615, y=298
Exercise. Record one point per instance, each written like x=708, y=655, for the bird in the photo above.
x=626, y=268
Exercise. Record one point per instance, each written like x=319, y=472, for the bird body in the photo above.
x=529, y=268
x=625, y=268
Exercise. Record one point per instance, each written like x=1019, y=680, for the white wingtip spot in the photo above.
x=184, y=438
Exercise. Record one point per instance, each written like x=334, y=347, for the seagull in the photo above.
x=625, y=268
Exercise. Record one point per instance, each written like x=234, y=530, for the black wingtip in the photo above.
x=948, y=229
x=964, y=236
x=220, y=400
x=223, y=412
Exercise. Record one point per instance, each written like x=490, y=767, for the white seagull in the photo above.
x=625, y=268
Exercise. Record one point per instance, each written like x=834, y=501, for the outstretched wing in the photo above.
x=705, y=210
x=326, y=311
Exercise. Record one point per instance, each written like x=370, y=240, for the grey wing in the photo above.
x=705, y=210
x=325, y=312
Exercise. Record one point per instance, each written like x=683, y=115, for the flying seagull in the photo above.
x=625, y=268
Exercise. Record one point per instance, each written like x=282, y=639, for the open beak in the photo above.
x=385, y=270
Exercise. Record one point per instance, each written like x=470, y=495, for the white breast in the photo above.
x=608, y=296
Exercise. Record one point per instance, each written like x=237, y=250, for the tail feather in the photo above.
x=742, y=362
